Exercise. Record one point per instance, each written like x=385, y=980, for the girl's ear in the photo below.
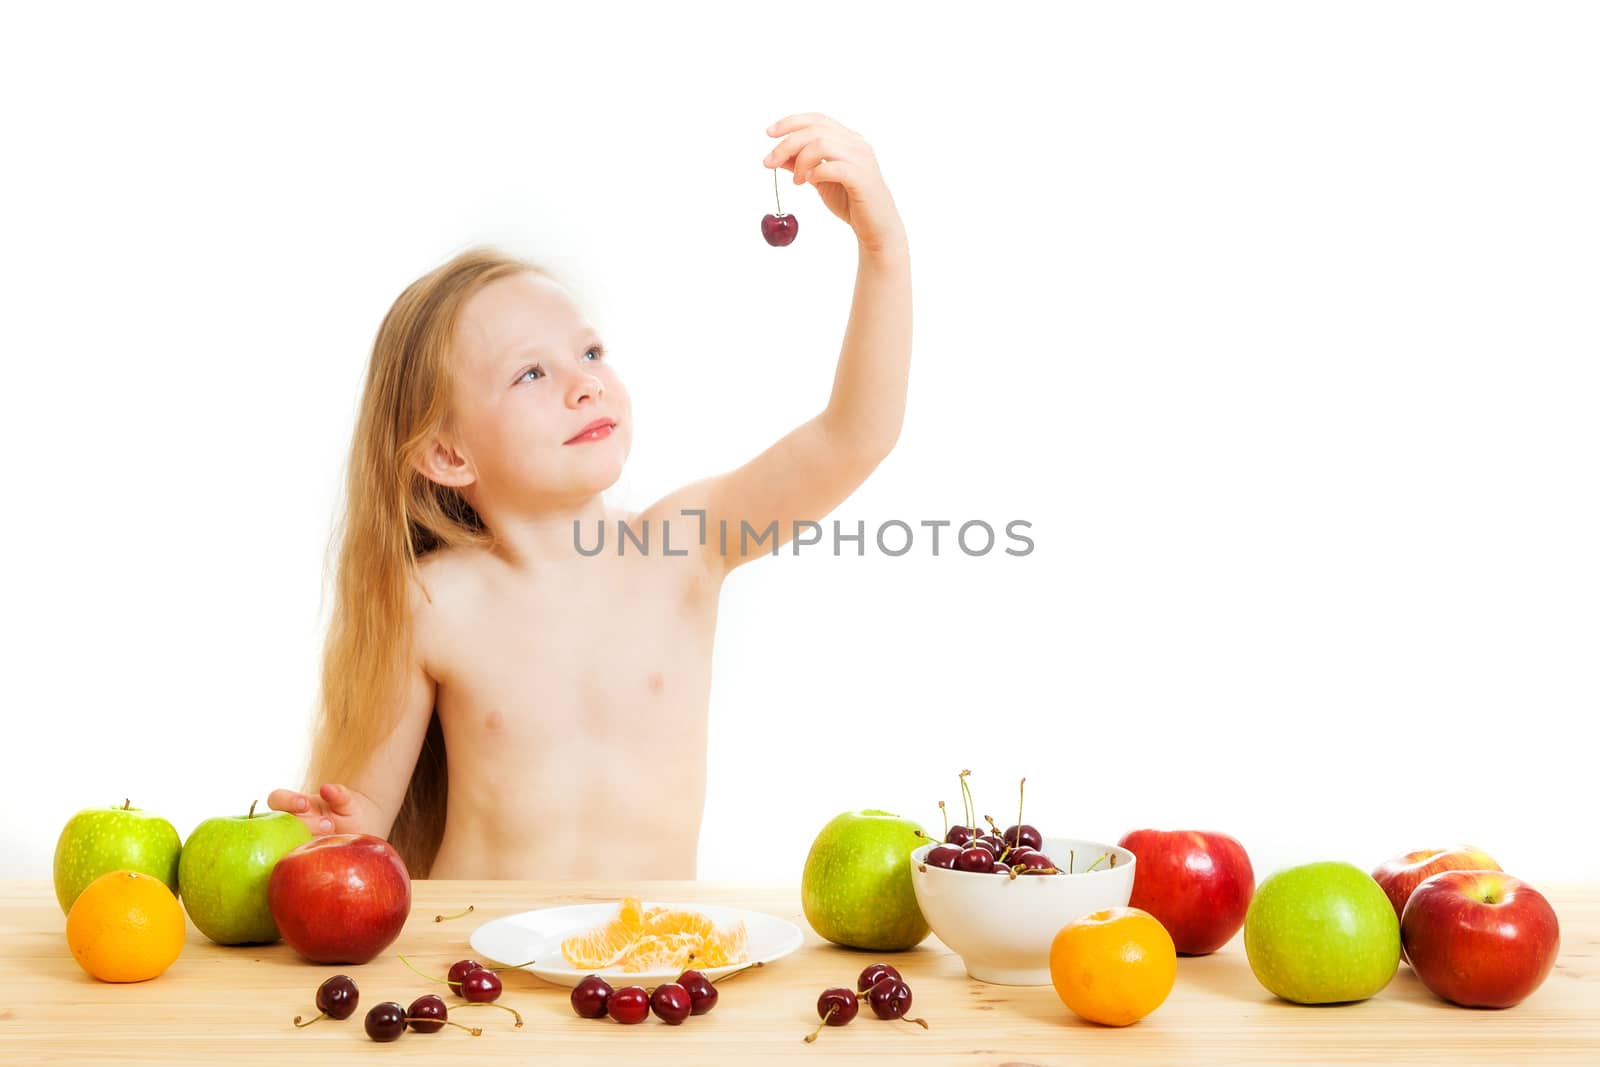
x=440, y=462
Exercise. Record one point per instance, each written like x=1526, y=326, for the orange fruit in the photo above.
x=1114, y=966
x=125, y=927
x=658, y=938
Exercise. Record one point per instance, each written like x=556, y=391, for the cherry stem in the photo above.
x=945, y=818
x=457, y=915
x=920, y=1022
x=1006, y=851
x=252, y=812
x=308, y=1022
x=429, y=977
x=741, y=970
x=1072, y=857
x=475, y=1031
x=515, y=1014
x=1096, y=863
x=968, y=808
x=512, y=967
x=812, y=1036
x=775, y=195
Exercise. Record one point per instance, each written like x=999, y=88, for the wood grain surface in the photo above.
x=231, y=1006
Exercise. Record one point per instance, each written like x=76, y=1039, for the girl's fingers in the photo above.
x=338, y=798
x=288, y=800
x=810, y=158
x=805, y=150
x=808, y=118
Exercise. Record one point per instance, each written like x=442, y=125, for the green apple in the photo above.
x=856, y=888
x=1322, y=933
x=98, y=840
x=224, y=871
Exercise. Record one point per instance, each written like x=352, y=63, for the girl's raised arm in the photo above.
x=816, y=466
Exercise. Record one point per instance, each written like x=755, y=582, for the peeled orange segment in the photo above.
x=608, y=943
x=657, y=938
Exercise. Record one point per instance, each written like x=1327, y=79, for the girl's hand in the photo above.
x=331, y=812
x=840, y=163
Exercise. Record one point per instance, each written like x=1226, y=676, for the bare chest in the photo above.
x=591, y=656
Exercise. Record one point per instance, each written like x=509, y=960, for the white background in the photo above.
x=1278, y=322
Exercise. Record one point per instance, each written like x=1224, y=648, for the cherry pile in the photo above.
x=1015, y=851
x=884, y=990
x=337, y=998
x=672, y=1002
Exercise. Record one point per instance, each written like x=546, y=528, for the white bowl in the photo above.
x=1002, y=927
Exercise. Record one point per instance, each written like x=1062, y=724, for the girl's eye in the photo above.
x=598, y=351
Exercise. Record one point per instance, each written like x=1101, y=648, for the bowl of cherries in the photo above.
x=998, y=897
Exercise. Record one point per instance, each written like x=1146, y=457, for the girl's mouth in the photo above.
x=595, y=431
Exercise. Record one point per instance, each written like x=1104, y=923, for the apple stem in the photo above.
x=308, y=1022
x=775, y=195
x=515, y=1014
x=920, y=1022
x=429, y=977
x=125, y=803
x=475, y=1031
x=812, y=1036
x=252, y=812
x=457, y=915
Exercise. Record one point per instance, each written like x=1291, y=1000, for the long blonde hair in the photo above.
x=393, y=516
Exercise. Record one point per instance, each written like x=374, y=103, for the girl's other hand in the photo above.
x=333, y=811
x=840, y=163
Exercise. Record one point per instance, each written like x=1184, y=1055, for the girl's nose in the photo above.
x=584, y=385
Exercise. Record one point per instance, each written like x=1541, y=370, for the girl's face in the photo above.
x=530, y=376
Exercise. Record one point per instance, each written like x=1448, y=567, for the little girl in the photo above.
x=495, y=701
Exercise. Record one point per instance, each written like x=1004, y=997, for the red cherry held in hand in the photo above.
x=779, y=230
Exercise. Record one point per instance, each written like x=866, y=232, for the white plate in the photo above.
x=537, y=935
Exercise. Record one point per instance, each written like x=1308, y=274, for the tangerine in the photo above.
x=1114, y=966
x=125, y=927
x=658, y=938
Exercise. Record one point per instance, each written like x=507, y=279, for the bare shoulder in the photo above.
x=679, y=520
x=445, y=585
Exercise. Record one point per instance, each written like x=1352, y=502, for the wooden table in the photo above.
x=229, y=1006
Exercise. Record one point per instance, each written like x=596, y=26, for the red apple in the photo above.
x=1197, y=883
x=340, y=898
x=1401, y=875
x=1482, y=939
